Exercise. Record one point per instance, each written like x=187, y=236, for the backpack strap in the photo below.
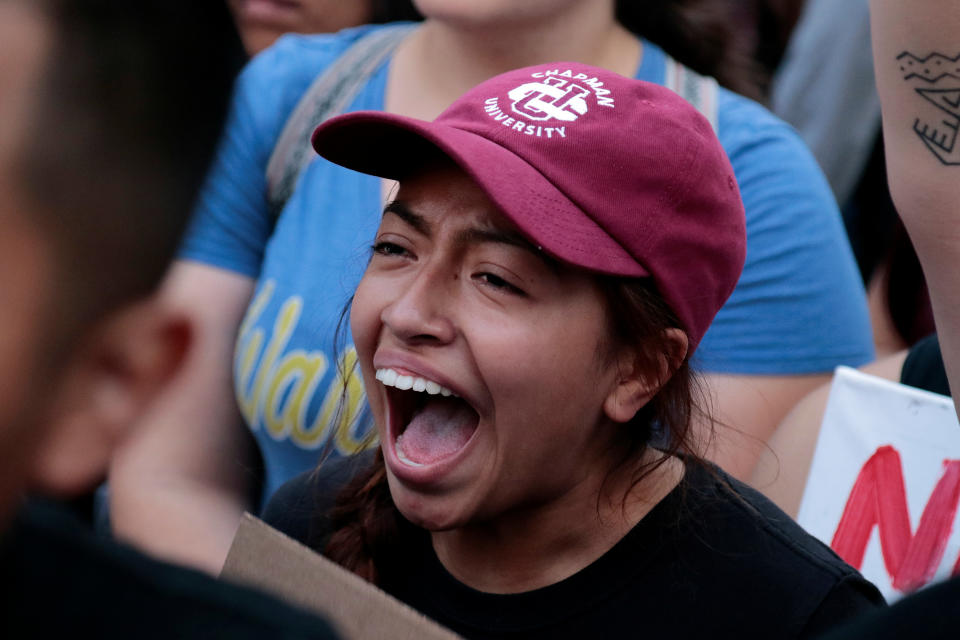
x=331, y=93
x=699, y=90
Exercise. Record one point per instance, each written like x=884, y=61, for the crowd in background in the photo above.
x=184, y=355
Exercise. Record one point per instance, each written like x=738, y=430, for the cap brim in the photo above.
x=391, y=146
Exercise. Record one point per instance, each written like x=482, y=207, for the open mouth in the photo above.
x=428, y=421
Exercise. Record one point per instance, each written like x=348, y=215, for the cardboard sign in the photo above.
x=884, y=484
x=264, y=558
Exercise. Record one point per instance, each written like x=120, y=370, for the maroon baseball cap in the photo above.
x=611, y=174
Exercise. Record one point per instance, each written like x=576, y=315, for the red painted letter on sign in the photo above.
x=879, y=498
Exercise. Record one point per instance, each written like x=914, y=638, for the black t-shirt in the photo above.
x=930, y=614
x=57, y=580
x=714, y=559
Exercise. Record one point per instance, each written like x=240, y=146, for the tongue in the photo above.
x=438, y=430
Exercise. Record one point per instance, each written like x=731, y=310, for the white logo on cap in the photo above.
x=554, y=98
x=554, y=95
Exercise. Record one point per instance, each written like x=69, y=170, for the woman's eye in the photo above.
x=389, y=249
x=495, y=281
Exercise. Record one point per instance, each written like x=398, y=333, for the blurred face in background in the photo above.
x=261, y=22
x=83, y=353
x=492, y=13
x=26, y=258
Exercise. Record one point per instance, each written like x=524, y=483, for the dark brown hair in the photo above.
x=370, y=534
x=129, y=110
x=705, y=35
x=393, y=11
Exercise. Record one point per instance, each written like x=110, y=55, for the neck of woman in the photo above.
x=536, y=547
x=444, y=58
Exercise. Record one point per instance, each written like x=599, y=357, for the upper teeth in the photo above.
x=391, y=378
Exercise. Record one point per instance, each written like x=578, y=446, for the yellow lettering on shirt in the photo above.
x=248, y=347
x=303, y=371
x=283, y=387
x=282, y=328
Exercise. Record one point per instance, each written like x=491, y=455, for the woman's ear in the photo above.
x=107, y=384
x=636, y=384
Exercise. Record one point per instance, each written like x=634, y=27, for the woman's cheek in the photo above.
x=364, y=320
x=365, y=331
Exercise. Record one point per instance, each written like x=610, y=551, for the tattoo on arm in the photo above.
x=936, y=78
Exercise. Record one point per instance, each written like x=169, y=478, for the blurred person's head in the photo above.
x=261, y=22
x=110, y=113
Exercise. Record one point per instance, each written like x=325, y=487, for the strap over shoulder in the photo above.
x=699, y=90
x=328, y=96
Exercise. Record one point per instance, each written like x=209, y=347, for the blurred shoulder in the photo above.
x=278, y=77
x=746, y=123
x=295, y=53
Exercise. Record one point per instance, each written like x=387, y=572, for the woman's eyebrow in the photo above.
x=402, y=211
x=512, y=238
x=472, y=236
x=477, y=235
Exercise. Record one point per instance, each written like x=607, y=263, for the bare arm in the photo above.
x=746, y=411
x=180, y=484
x=782, y=469
x=916, y=48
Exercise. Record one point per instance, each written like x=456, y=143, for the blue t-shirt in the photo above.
x=798, y=308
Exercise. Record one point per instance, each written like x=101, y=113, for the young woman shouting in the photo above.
x=561, y=239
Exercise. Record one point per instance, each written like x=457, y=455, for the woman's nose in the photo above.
x=420, y=312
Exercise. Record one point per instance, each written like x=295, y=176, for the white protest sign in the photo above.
x=884, y=484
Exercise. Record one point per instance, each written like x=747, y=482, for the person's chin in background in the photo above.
x=261, y=22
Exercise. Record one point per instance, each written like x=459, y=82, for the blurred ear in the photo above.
x=636, y=384
x=108, y=383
